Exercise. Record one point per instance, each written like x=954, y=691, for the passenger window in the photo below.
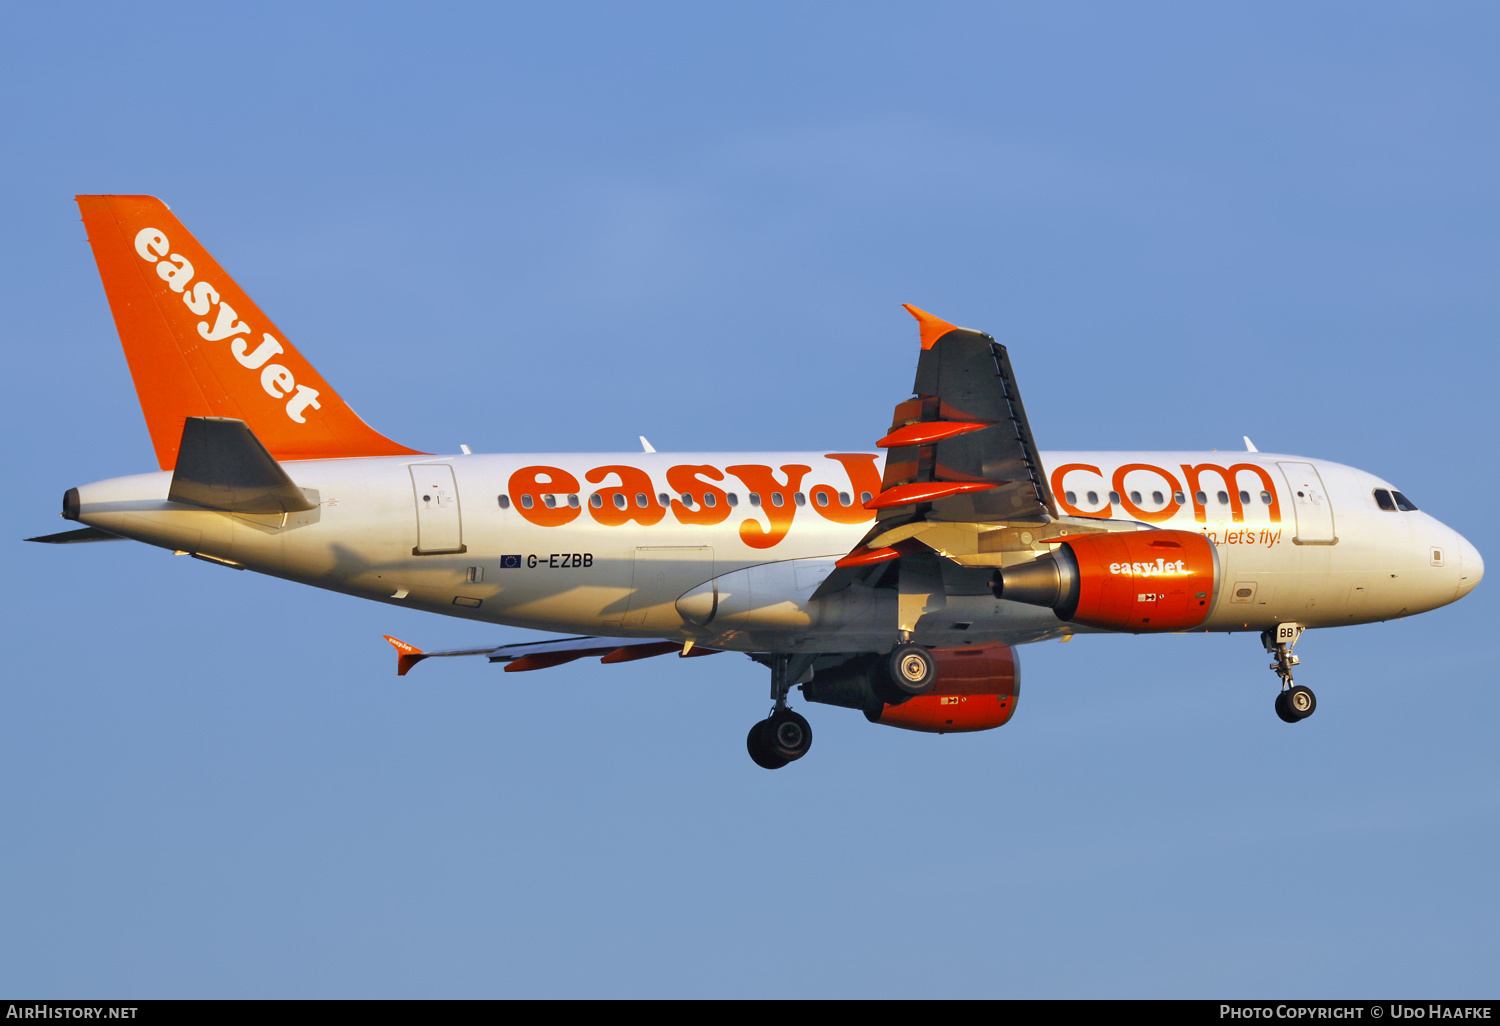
x=620, y=502
x=1114, y=496
x=665, y=499
x=1404, y=504
x=1384, y=501
x=709, y=499
x=1245, y=496
x=865, y=497
x=733, y=498
x=800, y=499
x=1265, y=498
x=1093, y=498
x=1071, y=497
x=687, y=500
x=1135, y=497
x=822, y=498
x=640, y=500
x=550, y=501
x=776, y=499
x=596, y=500
x=504, y=501
x=1201, y=497
x=755, y=498
x=1223, y=498
x=526, y=501
x=844, y=499
x=573, y=500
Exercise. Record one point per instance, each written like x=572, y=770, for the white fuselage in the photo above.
x=454, y=535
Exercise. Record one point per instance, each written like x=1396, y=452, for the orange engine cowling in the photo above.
x=976, y=689
x=1141, y=581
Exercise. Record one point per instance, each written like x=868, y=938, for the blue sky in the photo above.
x=556, y=228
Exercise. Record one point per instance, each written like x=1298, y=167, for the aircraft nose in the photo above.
x=1471, y=567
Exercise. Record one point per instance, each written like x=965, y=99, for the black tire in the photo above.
x=787, y=735
x=1283, y=710
x=1301, y=702
x=760, y=752
x=912, y=669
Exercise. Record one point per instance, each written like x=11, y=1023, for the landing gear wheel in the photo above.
x=788, y=736
x=1301, y=701
x=912, y=669
x=1296, y=703
x=760, y=750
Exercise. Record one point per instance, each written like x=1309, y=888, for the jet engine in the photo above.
x=976, y=689
x=1139, y=581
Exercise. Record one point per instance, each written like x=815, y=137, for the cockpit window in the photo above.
x=1383, y=499
x=1404, y=504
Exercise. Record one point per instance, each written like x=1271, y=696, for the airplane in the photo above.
x=897, y=582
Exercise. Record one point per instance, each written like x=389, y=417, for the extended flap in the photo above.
x=222, y=465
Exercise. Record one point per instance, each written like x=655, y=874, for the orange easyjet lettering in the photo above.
x=1230, y=477
x=863, y=477
x=549, y=496
x=1196, y=492
x=1060, y=492
x=777, y=501
x=541, y=494
x=633, y=499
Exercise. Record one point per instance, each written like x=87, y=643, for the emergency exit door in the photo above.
x=1310, y=500
x=439, y=523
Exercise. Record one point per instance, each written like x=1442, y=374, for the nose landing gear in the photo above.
x=784, y=736
x=1295, y=702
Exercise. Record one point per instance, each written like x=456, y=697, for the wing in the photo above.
x=538, y=655
x=962, y=462
x=961, y=448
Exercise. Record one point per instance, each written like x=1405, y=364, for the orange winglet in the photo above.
x=627, y=653
x=933, y=328
x=925, y=491
x=865, y=557
x=407, y=656
x=542, y=660
x=929, y=431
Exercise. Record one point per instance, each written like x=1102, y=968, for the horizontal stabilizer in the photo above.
x=222, y=465
x=83, y=534
x=538, y=655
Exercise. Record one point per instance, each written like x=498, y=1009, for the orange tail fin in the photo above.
x=198, y=347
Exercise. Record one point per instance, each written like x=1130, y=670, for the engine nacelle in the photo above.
x=976, y=689
x=1141, y=581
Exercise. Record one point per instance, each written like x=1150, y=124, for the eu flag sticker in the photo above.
x=510, y=562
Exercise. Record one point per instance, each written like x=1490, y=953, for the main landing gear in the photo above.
x=1295, y=702
x=912, y=669
x=784, y=736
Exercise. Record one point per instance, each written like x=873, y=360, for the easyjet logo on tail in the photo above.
x=278, y=382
